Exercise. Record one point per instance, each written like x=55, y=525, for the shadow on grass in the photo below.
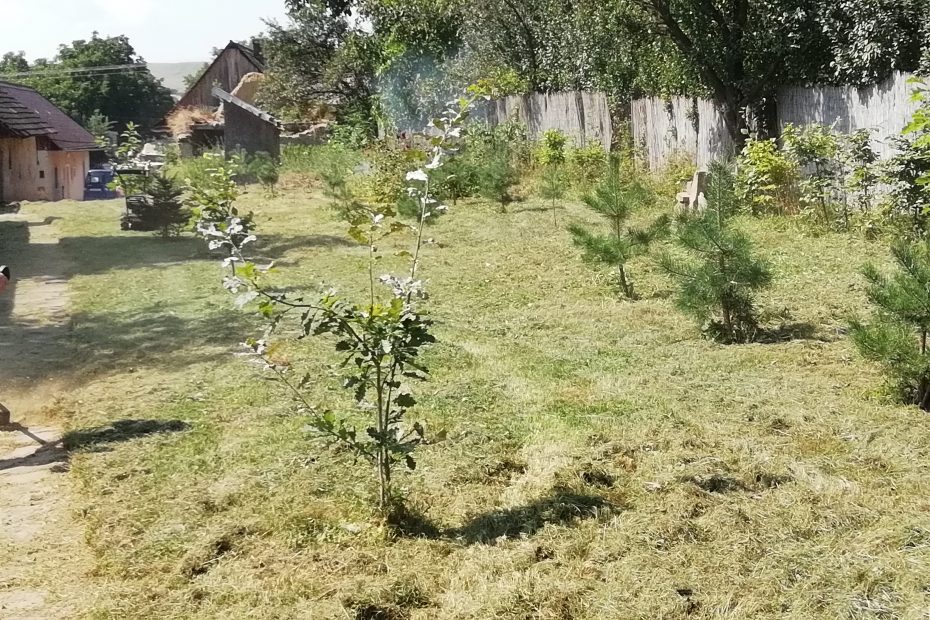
x=788, y=332
x=92, y=255
x=561, y=507
x=96, y=439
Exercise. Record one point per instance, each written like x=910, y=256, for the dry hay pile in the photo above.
x=248, y=87
x=181, y=120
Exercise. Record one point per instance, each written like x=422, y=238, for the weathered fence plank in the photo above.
x=695, y=127
x=582, y=116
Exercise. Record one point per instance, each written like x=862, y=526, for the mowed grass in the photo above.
x=603, y=460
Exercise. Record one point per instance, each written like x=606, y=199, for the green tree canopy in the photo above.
x=121, y=88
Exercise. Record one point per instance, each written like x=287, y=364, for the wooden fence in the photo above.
x=695, y=127
x=582, y=116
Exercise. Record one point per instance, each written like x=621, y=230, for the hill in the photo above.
x=172, y=74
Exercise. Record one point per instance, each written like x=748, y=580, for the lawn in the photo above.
x=603, y=460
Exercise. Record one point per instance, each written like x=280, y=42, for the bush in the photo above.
x=588, y=163
x=767, y=179
x=497, y=176
x=166, y=212
x=897, y=336
x=551, y=149
x=265, y=170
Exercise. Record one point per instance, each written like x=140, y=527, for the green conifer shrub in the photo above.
x=717, y=280
x=897, y=335
x=616, y=198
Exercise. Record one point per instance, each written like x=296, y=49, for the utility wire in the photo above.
x=103, y=70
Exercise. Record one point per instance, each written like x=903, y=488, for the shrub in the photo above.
x=213, y=197
x=551, y=149
x=588, y=163
x=897, y=336
x=265, y=170
x=907, y=174
x=767, y=179
x=497, y=175
x=166, y=212
x=616, y=199
x=716, y=284
x=553, y=186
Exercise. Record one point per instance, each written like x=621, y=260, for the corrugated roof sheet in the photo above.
x=18, y=120
x=62, y=130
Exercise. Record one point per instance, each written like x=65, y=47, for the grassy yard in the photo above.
x=603, y=459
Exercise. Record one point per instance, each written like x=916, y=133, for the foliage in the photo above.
x=897, y=335
x=907, y=173
x=588, y=163
x=497, y=175
x=380, y=339
x=212, y=199
x=101, y=127
x=317, y=63
x=716, y=284
x=616, y=199
x=128, y=95
x=265, y=169
x=551, y=149
x=815, y=149
x=126, y=156
x=166, y=212
x=191, y=79
x=766, y=178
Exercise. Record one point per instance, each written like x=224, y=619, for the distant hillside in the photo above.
x=172, y=73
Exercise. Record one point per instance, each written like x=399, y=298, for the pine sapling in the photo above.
x=718, y=279
x=167, y=213
x=616, y=199
x=897, y=335
x=553, y=186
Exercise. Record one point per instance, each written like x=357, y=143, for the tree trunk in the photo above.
x=625, y=284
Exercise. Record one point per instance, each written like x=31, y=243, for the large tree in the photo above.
x=102, y=75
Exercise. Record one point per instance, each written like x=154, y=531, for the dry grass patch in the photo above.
x=603, y=460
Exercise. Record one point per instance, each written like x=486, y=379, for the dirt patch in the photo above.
x=37, y=533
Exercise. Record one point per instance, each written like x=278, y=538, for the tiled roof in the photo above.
x=18, y=120
x=61, y=129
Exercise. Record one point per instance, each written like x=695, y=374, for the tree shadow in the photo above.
x=96, y=439
x=102, y=254
x=561, y=507
x=786, y=332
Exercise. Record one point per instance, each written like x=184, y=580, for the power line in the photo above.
x=79, y=71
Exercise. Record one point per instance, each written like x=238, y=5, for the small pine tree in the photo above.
x=897, y=336
x=497, y=176
x=265, y=169
x=616, y=199
x=166, y=212
x=716, y=285
x=553, y=186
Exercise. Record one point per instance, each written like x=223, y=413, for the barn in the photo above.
x=226, y=71
x=248, y=129
x=44, y=154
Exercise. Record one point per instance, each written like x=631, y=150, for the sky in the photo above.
x=159, y=30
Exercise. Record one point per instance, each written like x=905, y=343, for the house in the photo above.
x=248, y=129
x=226, y=71
x=44, y=154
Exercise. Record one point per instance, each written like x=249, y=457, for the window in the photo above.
x=41, y=174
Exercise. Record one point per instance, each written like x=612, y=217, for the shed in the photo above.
x=45, y=154
x=247, y=128
x=226, y=71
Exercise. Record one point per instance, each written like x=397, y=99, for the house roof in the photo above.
x=250, y=54
x=18, y=120
x=222, y=95
x=26, y=113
